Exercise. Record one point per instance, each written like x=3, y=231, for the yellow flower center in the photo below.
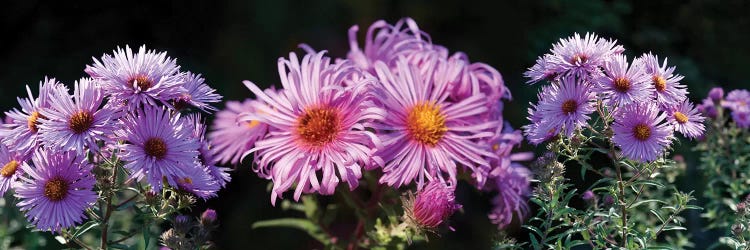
x=622, y=84
x=426, y=124
x=56, y=189
x=9, y=169
x=569, y=106
x=659, y=83
x=80, y=122
x=642, y=132
x=317, y=126
x=155, y=147
x=579, y=58
x=33, y=121
x=680, y=117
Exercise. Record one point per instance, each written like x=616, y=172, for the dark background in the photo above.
x=231, y=41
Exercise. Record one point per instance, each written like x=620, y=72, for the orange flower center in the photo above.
x=155, y=147
x=642, y=132
x=33, y=121
x=9, y=169
x=569, y=106
x=56, y=189
x=142, y=82
x=659, y=83
x=579, y=58
x=317, y=126
x=426, y=124
x=622, y=84
x=680, y=117
x=80, y=122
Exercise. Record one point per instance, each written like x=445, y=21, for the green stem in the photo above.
x=105, y=220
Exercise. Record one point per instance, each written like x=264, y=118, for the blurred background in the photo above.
x=231, y=41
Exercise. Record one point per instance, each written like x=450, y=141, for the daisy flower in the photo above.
x=157, y=146
x=423, y=134
x=196, y=94
x=317, y=126
x=641, y=133
x=229, y=138
x=57, y=191
x=136, y=79
x=385, y=43
x=623, y=83
x=77, y=123
x=22, y=132
x=11, y=167
x=567, y=105
x=686, y=119
x=667, y=88
x=582, y=57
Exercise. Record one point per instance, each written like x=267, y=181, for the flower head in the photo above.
x=686, y=119
x=77, y=123
x=206, y=159
x=741, y=117
x=432, y=206
x=11, y=162
x=425, y=135
x=640, y=132
x=197, y=180
x=386, y=43
x=22, y=132
x=737, y=100
x=582, y=56
x=622, y=83
x=567, y=105
x=666, y=85
x=317, y=124
x=157, y=146
x=513, y=185
x=137, y=79
x=543, y=69
x=229, y=138
x=58, y=190
x=716, y=94
x=197, y=94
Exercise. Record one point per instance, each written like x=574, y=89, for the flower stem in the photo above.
x=621, y=197
x=110, y=196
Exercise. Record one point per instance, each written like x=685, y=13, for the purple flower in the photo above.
x=588, y=196
x=386, y=43
x=136, y=79
x=738, y=99
x=197, y=94
x=11, y=167
x=157, y=146
x=582, y=57
x=229, y=138
x=196, y=179
x=513, y=186
x=22, y=133
x=741, y=117
x=640, y=132
x=318, y=125
x=623, y=84
x=208, y=217
x=708, y=108
x=540, y=130
x=567, y=105
x=716, y=94
x=472, y=78
x=686, y=119
x=423, y=134
x=57, y=191
x=433, y=205
x=666, y=85
x=542, y=70
x=206, y=157
x=77, y=123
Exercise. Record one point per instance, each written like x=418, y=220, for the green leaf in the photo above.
x=85, y=228
x=302, y=224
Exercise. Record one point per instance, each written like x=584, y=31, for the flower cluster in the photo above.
x=130, y=113
x=736, y=101
x=400, y=104
x=643, y=97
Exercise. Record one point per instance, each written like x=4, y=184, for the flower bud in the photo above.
x=588, y=196
x=182, y=224
x=208, y=217
x=738, y=229
x=716, y=94
x=432, y=205
x=741, y=208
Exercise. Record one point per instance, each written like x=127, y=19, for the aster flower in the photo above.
x=157, y=146
x=514, y=188
x=22, y=132
x=641, y=133
x=738, y=99
x=475, y=78
x=386, y=43
x=666, y=85
x=582, y=57
x=230, y=139
x=77, y=123
x=424, y=135
x=196, y=179
x=11, y=167
x=502, y=144
x=741, y=117
x=57, y=191
x=716, y=94
x=540, y=129
x=206, y=157
x=567, y=105
x=318, y=125
x=197, y=94
x=141, y=78
x=623, y=84
x=432, y=206
x=543, y=69
x=686, y=119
